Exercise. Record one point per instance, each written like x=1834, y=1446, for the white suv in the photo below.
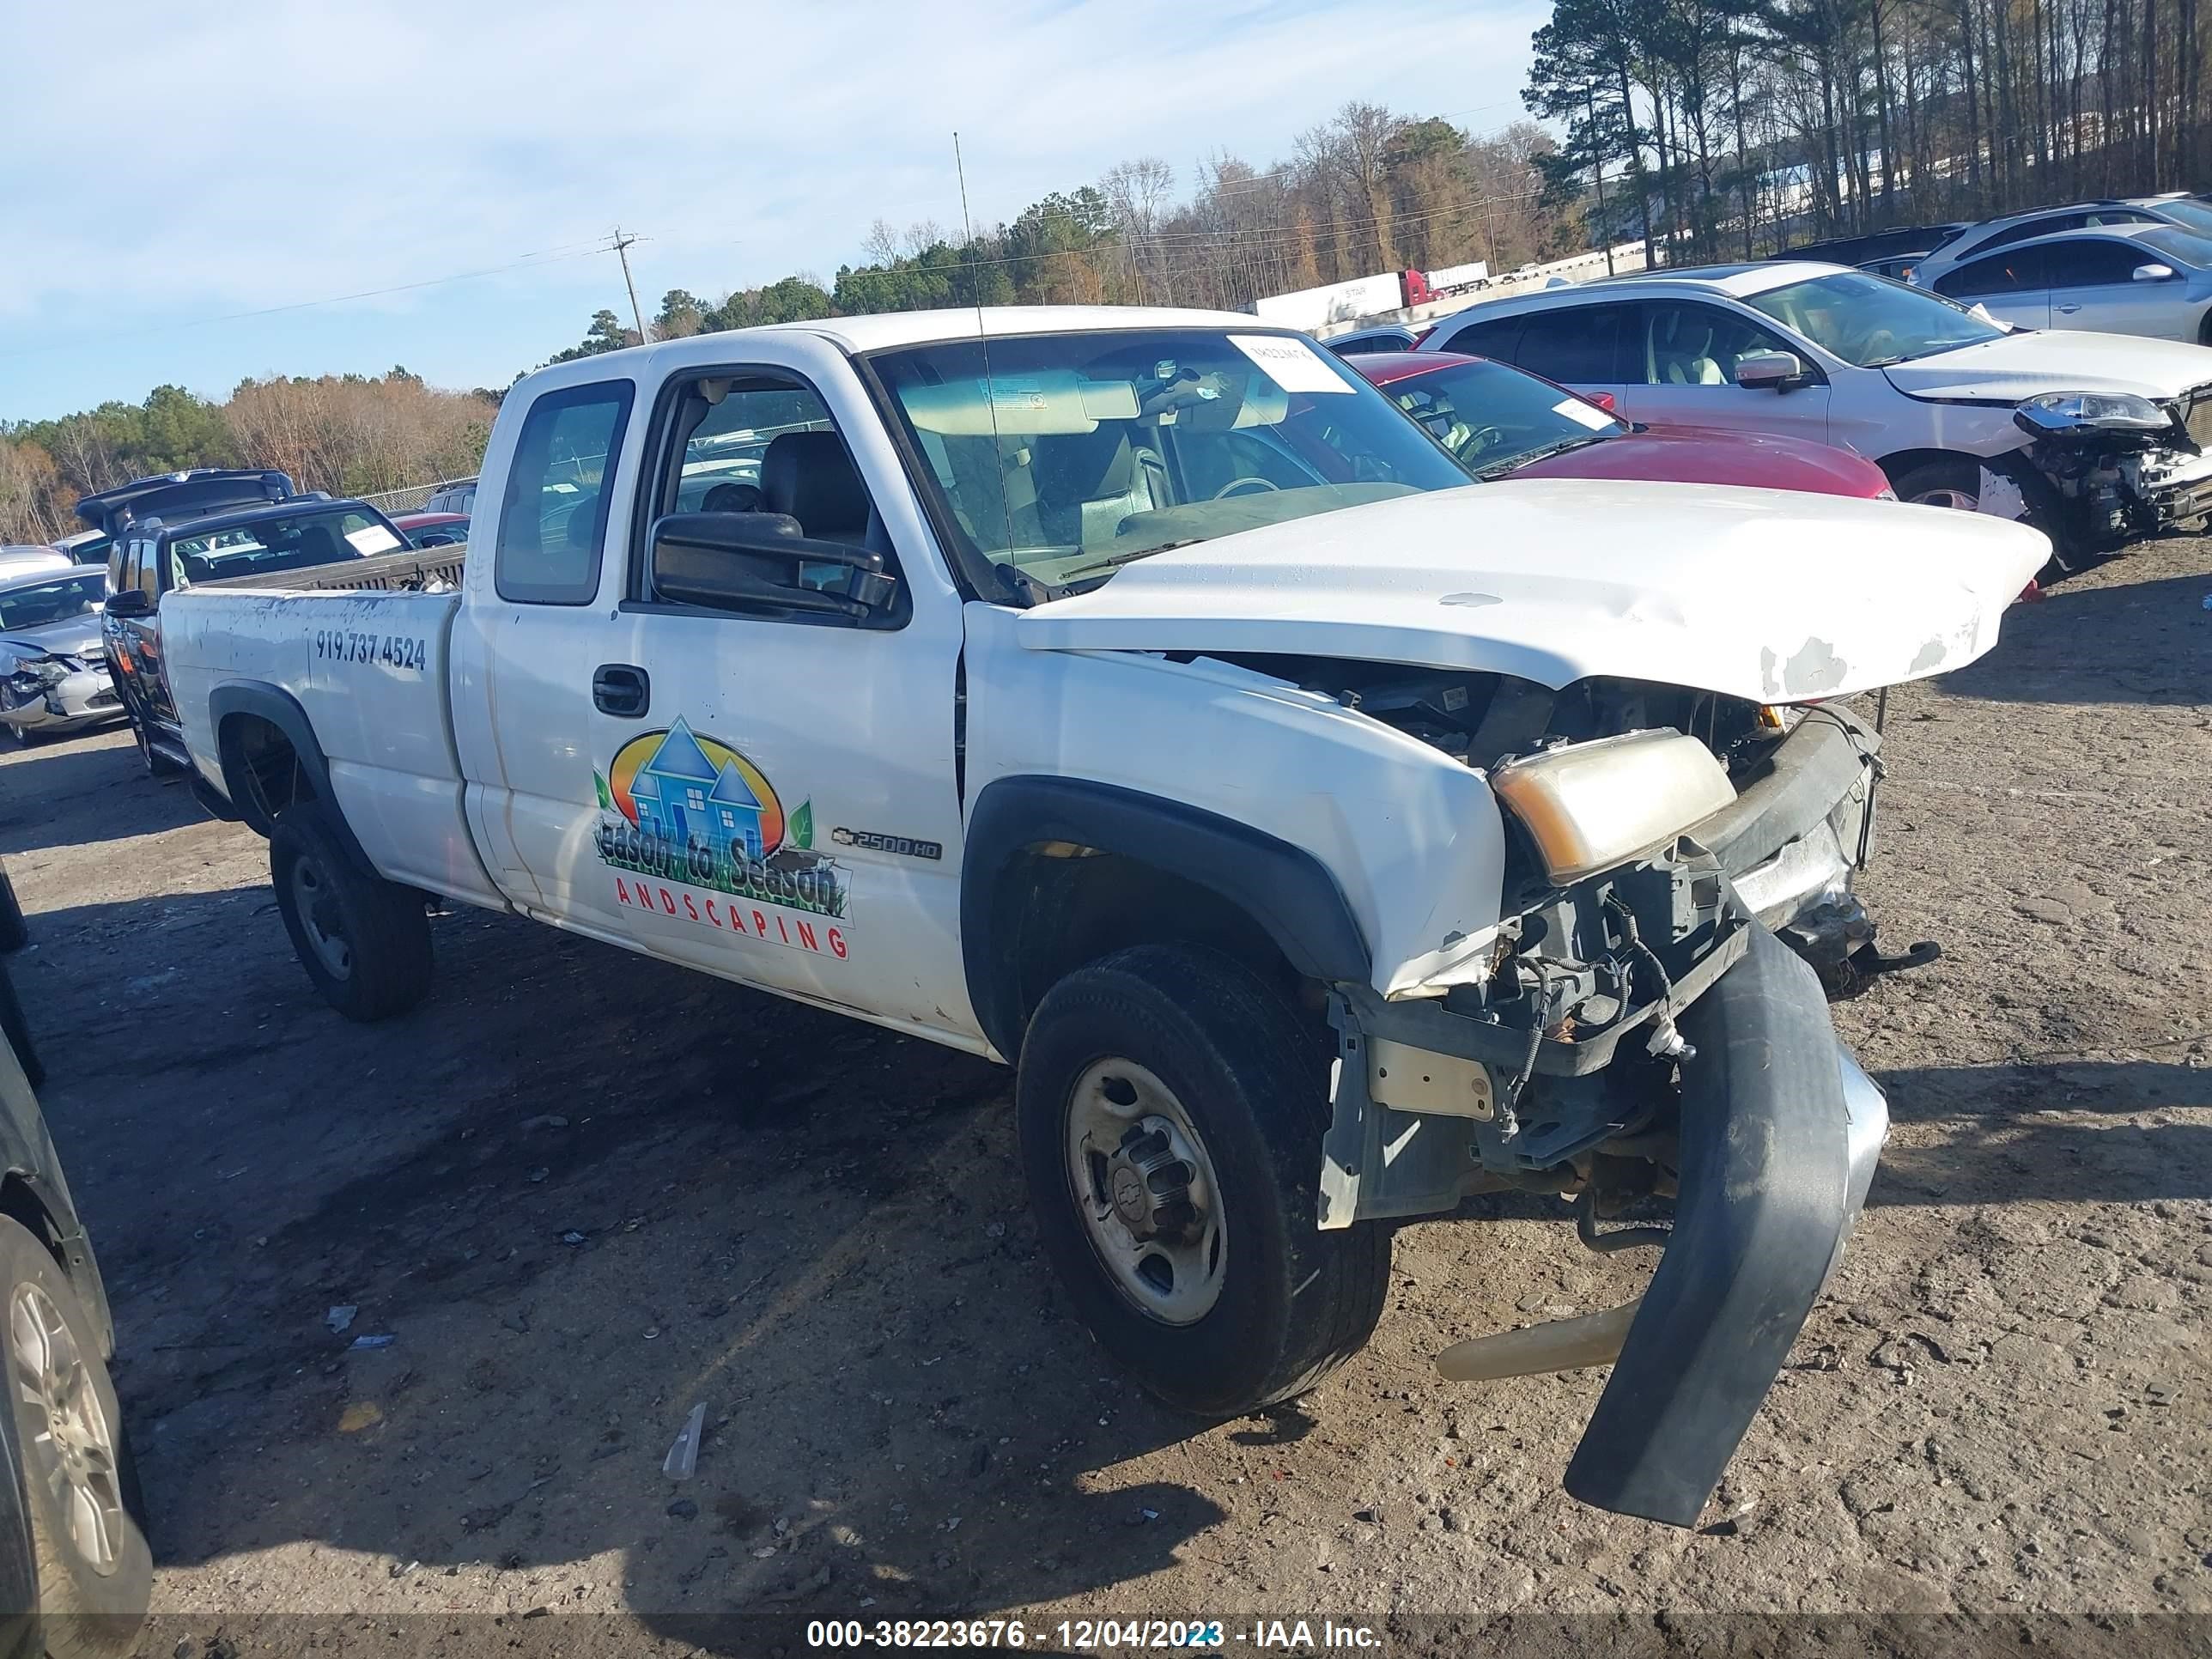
x=2095, y=439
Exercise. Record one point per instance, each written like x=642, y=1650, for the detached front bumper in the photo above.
x=1779, y=1135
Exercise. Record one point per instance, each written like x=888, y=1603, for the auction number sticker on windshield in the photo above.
x=371, y=539
x=1588, y=415
x=1290, y=362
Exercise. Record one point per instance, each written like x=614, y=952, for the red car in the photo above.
x=1497, y=420
x=432, y=529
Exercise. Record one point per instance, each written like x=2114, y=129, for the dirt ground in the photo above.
x=581, y=1191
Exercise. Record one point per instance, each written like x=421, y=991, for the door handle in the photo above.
x=619, y=689
x=2066, y=310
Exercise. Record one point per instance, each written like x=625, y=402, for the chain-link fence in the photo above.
x=389, y=501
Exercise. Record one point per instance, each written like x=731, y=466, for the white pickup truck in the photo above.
x=1139, y=697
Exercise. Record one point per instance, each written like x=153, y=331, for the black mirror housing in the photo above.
x=761, y=561
x=131, y=602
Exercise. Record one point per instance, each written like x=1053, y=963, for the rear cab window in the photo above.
x=553, y=516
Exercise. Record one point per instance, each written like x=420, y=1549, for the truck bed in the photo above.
x=368, y=663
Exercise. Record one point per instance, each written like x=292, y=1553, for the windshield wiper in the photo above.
x=1498, y=469
x=1116, y=561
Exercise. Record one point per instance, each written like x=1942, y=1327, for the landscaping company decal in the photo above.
x=679, y=811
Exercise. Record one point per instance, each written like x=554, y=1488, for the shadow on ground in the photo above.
x=581, y=1192
x=2046, y=654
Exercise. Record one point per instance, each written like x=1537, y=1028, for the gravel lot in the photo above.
x=583, y=1192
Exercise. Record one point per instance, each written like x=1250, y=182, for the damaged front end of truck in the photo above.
x=1640, y=1040
x=1670, y=720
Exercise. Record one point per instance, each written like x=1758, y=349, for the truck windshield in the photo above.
x=1078, y=453
x=292, y=542
x=1869, y=320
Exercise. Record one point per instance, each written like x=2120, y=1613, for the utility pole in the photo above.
x=622, y=246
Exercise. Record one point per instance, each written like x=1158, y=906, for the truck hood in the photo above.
x=1770, y=595
x=2035, y=361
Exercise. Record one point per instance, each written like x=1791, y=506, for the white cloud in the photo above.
x=164, y=162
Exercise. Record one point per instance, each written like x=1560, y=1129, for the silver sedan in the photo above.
x=53, y=669
x=2116, y=279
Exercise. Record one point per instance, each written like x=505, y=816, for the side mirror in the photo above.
x=1776, y=371
x=1604, y=400
x=131, y=602
x=2154, y=273
x=760, y=561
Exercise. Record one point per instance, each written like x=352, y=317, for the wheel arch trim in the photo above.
x=233, y=700
x=1285, y=890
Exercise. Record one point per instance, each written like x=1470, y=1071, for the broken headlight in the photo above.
x=1589, y=806
x=42, y=672
x=2067, y=411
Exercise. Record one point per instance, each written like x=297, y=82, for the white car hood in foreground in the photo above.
x=2036, y=361
x=1770, y=595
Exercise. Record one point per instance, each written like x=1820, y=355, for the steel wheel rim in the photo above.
x=319, y=918
x=70, y=1446
x=1145, y=1186
x=1963, y=500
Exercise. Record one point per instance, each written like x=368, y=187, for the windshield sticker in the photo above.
x=372, y=539
x=1588, y=415
x=1012, y=395
x=1290, y=362
x=701, y=834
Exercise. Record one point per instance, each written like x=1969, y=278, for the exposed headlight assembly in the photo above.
x=2068, y=412
x=46, y=670
x=1589, y=806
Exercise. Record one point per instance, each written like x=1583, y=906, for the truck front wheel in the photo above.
x=1172, y=1111
x=364, y=941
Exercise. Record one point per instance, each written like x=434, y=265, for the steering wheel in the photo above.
x=1479, y=442
x=1236, y=484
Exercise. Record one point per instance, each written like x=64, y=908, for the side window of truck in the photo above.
x=553, y=518
x=755, y=441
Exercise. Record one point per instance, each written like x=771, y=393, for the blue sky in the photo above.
x=163, y=173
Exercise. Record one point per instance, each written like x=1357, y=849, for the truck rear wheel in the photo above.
x=1171, y=1111
x=80, y=1489
x=364, y=941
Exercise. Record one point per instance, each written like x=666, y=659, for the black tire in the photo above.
x=1944, y=477
x=1956, y=478
x=382, y=964
x=17, y=1032
x=158, y=765
x=13, y=934
x=1293, y=1302
x=94, y=1576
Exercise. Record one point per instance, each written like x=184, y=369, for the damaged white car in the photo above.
x=53, y=674
x=1140, y=698
x=2095, y=439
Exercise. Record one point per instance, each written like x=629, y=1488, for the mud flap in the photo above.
x=1766, y=1202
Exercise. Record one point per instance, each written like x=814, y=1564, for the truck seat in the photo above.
x=809, y=476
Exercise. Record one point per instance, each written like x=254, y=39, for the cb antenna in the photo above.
x=983, y=342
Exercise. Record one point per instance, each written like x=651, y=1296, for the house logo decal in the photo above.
x=680, y=807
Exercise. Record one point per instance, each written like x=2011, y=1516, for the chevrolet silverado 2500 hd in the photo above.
x=1140, y=698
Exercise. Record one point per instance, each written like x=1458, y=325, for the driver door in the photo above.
x=1681, y=360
